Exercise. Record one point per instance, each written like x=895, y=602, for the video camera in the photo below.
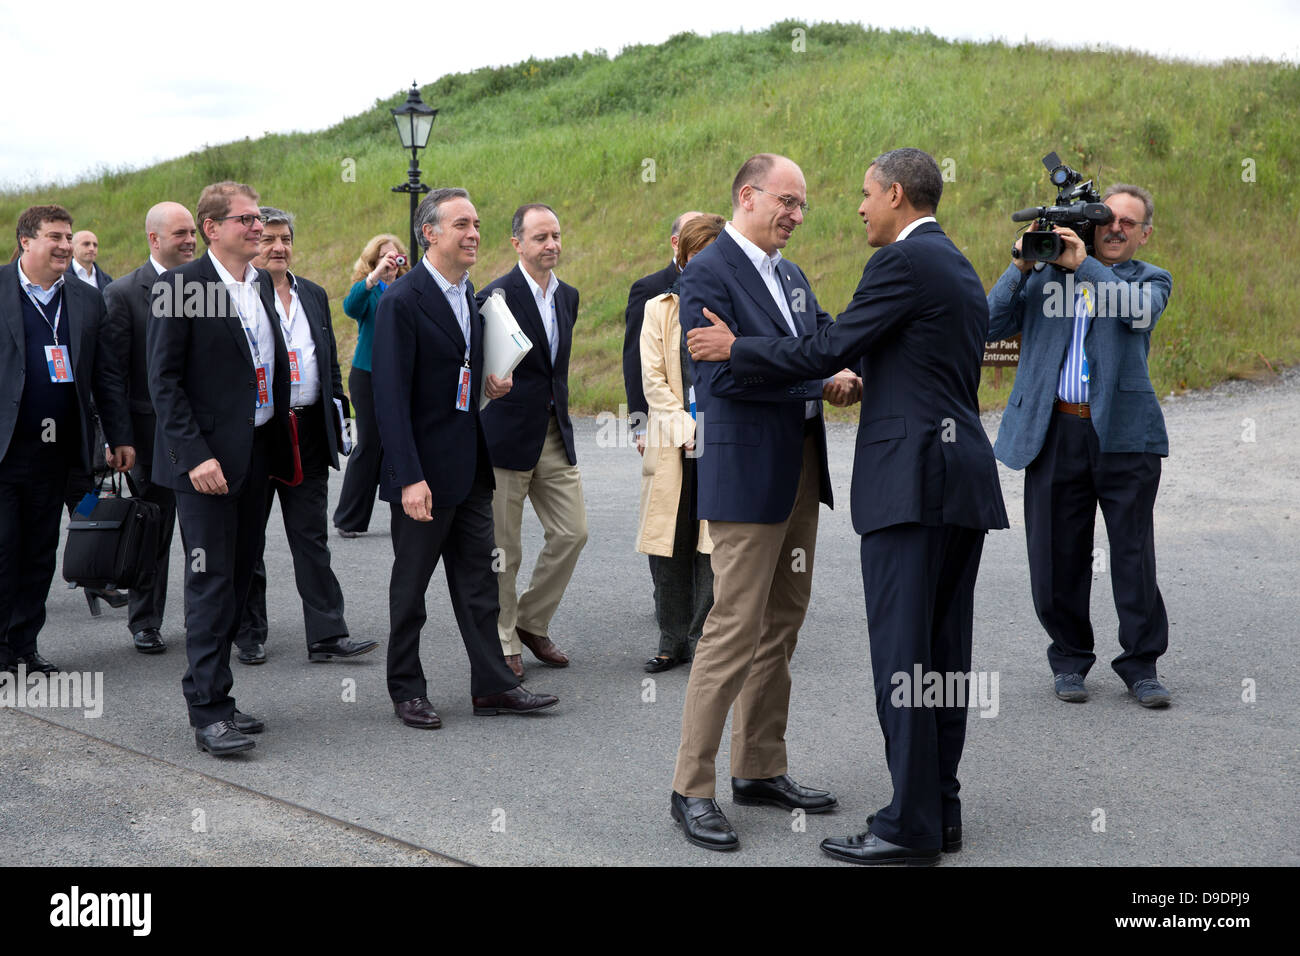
x=1078, y=206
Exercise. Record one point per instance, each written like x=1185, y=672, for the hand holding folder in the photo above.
x=504, y=343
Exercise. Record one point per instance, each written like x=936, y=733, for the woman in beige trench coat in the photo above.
x=678, y=545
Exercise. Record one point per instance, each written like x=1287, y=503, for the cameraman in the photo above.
x=1084, y=423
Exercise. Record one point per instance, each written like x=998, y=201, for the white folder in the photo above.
x=504, y=343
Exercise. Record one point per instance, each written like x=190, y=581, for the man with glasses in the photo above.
x=50, y=368
x=219, y=376
x=762, y=473
x=1084, y=422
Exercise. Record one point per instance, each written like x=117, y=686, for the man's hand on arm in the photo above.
x=208, y=478
x=417, y=501
x=1021, y=263
x=712, y=342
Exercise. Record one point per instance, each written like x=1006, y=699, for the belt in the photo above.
x=302, y=408
x=1070, y=408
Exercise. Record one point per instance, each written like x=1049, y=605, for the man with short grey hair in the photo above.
x=436, y=475
x=315, y=397
x=1084, y=422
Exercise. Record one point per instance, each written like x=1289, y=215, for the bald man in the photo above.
x=170, y=232
x=85, y=250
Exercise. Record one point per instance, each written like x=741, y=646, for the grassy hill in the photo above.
x=580, y=132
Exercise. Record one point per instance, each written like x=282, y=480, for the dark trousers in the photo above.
x=33, y=478
x=223, y=536
x=919, y=582
x=462, y=537
x=361, y=478
x=1063, y=487
x=684, y=582
x=304, y=509
x=146, y=607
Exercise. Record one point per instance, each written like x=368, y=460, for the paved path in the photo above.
x=336, y=779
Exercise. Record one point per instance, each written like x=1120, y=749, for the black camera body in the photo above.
x=1078, y=206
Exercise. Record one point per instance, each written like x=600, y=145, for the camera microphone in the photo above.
x=1025, y=215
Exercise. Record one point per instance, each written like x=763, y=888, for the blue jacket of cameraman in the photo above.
x=1127, y=301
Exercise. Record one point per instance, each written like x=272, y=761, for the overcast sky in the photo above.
x=98, y=85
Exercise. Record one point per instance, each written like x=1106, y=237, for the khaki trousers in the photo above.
x=555, y=489
x=762, y=578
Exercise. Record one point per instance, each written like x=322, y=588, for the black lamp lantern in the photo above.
x=414, y=120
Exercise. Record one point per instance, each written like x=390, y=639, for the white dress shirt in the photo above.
x=86, y=276
x=257, y=327
x=907, y=230
x=545, y=302
x=766, y=266
x=297, y=335
x=456, y=297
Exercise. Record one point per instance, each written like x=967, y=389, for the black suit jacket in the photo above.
x=516, y=424
x=125, y=336
x=79, y=327
x=202, y=379
x=416, y=361
x=643, y=290
x=315, y=303
x=915, y=330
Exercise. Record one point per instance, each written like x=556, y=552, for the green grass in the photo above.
x=574, y=132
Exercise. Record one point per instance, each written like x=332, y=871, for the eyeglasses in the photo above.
x=245, y=220
x=791, y=203
x=1126, y=224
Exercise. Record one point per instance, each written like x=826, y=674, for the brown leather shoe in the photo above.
x=514, y=701
x=543, y=648
x=516, y=664
x=417, y=713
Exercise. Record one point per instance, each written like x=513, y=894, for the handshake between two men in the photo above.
x=712, y=343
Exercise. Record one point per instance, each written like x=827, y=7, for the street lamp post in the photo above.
x=414, y=120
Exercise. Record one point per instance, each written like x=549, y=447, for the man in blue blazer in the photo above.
x=530, y=441
x=50, y=368
x=762, y=474
x=1084, y=422
x=436, y=474
x=925, y=487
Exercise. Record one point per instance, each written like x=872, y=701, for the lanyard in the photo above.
x=249, y=334
x=58, y=311
x=281, y=312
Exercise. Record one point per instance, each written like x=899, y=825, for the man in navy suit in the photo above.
x=315, y=386
x=925, y=487
x=219, y=379
x=530, y=441
x=50, y=368
x=436, y=474
x=762, y=474
x=1084, y=422
x=85, y=250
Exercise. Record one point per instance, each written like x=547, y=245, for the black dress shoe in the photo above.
x=703, y=822
x=951, y=836
x=34, y=663
x=514, y=701
x=417, y=713
x=148, y=641
x=782, y=792
x=869, y=850
x=333, y=647
x=247, y=724
x=253, y=655
x=221, y=738
x=661, y=663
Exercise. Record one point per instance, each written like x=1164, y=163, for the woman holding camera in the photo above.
x=677, y=543
x=382, y=260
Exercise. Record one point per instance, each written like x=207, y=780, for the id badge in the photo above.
x=59, y=363
x=462, y=390
x=295, y=359
x=690, y=401
x=263, y=387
